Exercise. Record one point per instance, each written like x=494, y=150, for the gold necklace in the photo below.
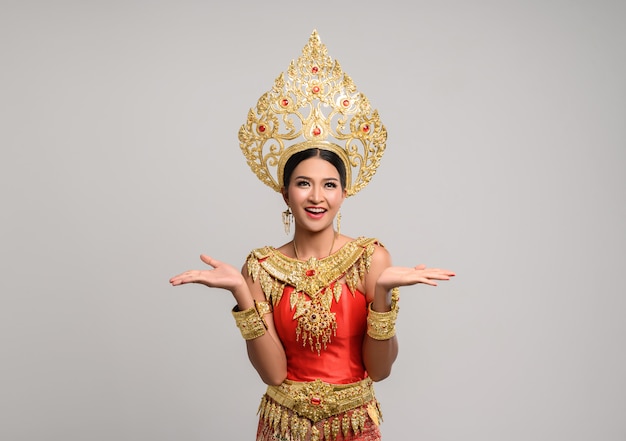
x=295, y=248
x=316, y=285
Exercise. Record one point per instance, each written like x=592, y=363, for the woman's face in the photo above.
x=314, y=194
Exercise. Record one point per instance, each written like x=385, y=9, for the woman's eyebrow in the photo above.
x=324, y=179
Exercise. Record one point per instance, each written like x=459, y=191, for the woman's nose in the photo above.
x=315, y=194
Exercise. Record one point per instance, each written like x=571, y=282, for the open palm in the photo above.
x=394, y=276
x=222, y=275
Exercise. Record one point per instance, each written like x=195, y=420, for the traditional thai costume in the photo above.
x=321, y=319
x=320, y=315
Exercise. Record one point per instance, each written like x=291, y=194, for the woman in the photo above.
x=318, y=313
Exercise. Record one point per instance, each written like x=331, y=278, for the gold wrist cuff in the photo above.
x=249, y=323
x=382, y=325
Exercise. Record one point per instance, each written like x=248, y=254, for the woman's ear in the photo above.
x=283, y=191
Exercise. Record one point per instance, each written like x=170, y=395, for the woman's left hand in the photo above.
x=395, y=276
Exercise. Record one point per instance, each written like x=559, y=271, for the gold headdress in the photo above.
x=314, y=105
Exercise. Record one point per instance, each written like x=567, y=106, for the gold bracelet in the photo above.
x=382, y=325
x=249, y=323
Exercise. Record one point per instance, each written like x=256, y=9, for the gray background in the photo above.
x=120, y=165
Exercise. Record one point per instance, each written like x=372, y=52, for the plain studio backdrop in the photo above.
x=505, y=162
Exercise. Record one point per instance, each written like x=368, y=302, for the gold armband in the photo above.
x=382, y=325
x=263, y=308
x=249, y=323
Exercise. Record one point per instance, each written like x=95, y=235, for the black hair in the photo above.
x=314, y=152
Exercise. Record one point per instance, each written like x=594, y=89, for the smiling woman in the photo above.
x=314, y=190
x=318, y=313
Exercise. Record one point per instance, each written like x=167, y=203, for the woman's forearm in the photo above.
x=379, y=356
x=265, y=352
x=268, y=358
x=379, y=353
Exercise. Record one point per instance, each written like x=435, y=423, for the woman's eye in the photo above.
x=302, y=183
x=331, y=184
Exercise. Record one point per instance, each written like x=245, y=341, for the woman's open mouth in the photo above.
x=315, y=212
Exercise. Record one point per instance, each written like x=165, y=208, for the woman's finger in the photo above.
x=209, y=260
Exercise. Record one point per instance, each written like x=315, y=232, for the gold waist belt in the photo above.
x=317, y=400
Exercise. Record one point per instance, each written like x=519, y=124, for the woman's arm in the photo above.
x=266, y=352
x=379, y=355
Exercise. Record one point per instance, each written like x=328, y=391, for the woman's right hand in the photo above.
x=221, y=275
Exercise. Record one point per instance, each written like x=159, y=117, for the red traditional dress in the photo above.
x=320, y=317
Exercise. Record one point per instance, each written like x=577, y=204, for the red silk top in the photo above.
x=341, y=361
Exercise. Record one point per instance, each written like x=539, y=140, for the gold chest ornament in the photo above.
x=315, y=284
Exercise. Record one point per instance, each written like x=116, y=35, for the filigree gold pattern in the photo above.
x=249, y=323
x=382, y=325
x=293, y=409
x=313, y=104
x=315, y=284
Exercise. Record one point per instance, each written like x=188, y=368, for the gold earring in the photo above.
x=287, y=218
x=339, y=222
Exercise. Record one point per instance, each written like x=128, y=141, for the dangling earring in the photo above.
x=287, y=218
x=338, y=222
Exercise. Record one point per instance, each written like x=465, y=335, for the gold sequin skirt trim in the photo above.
x=318, y=411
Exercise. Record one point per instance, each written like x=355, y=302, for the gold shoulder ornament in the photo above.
x=313, y=104
x=314, y=283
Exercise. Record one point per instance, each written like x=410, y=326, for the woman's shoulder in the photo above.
x=371, y=243
x=343, y=240
x=370, y=248
x=286, y=249
x=267, y=250
x=261, y=252
x=379, y=254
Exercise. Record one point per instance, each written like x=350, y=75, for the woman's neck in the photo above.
x=318, y=245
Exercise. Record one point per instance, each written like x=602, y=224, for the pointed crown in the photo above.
x=313, y=104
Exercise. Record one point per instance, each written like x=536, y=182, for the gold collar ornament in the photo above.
x=315, y=283
x=313, y=104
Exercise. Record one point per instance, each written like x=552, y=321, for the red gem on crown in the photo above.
x=317, y=131
x=262, y=128
x=316, y=89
